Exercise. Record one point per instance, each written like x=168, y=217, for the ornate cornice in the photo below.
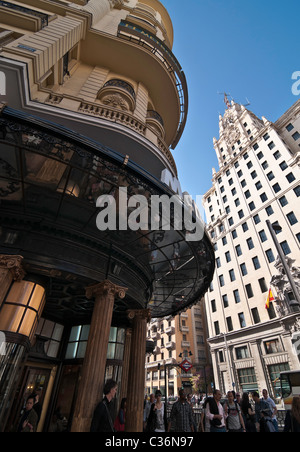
x=105, y=288
x=14, y=264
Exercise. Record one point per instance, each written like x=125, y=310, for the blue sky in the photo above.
x=248, y=48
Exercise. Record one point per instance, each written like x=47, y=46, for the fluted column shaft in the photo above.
x=136, y=378
x=93, y=371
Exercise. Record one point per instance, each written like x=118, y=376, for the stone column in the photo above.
x=11, y=352
x=93, y=370
x=136, y=377
x=10, y=270
x=126, y=362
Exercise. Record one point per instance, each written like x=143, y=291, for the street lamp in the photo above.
x=272, y=229
x=228, y=360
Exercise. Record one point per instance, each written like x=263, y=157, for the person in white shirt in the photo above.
x=216, y=413
x=273, y=408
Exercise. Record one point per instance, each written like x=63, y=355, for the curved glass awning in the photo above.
x=51, y=177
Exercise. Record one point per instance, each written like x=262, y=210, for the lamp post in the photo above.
x=228, y=360
x=272, y=229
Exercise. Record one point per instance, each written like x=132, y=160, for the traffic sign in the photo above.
x=185, y=365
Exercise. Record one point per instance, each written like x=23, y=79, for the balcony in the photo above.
x=185, y=329
x=144, y=38
x=170, y=345
x=118, y=94
x=155, y=335
x=185, y=344
x=155, y=121
x=170, y=330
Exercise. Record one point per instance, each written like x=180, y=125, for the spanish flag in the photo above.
x=270, y=298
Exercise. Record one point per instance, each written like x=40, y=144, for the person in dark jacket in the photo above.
x=292, y=419
x=102, y=420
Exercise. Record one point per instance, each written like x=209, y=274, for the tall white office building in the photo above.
x=253, y=218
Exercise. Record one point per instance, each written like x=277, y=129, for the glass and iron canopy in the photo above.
x=50, y=180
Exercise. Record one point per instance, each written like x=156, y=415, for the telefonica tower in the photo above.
x=92, y=102
x=253, y=219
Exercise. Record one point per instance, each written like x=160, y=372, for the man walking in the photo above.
x=102, y=420
x=235, y=421
x=181, y=415
x=273, y=408
x=216, y=414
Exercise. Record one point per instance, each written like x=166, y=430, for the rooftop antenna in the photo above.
x=248, y=102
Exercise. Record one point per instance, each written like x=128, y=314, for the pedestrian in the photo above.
x=273, y=408
x=235, y=421
x=190, y=402
x=102, y=420
x=37, y=405
x=238, y=398
x=215, y=413
x=204, y=424
x=248, y=414
x=147, y=409
x=262, y=411
x=119, y=424
x=181, y=414
x=157, y=421
x=29, y=418
x=292, y=418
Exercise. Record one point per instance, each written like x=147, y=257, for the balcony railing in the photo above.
x=29, y=11
x=153, y=44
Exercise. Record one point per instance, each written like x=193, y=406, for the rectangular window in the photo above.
x=263, y=197
x=276, y=188
x=255, y=315
x=273, y=346
x=256, y=263
x=217, y=328
x=238, y=250
x=262, y=285
x=247, y=379
x=242, y=320
x=236, y=296
x=249, y=291
x=270, y=255
x=290, y=177
x=231, y=275
x=292, y=218
x=283, y=201
x=296, y=136
x=289, y=127
x=250, y=243
x=229, y=323
x=285, y=247
x=243, y=269
x=242, y=352
x=225, y=301
x=262, y=235
x=221, y=280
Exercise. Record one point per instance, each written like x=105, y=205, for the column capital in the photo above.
x=139, y=313
x=105, y=288
x=14, y=264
